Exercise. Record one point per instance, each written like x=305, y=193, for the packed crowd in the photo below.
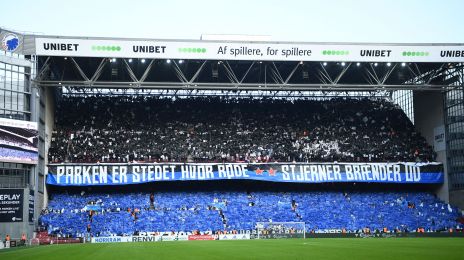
x=108, y=214
x=7, y=139
x=16, y=155
x=140, y=128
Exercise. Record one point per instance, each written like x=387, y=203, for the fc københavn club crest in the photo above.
x=10, y=42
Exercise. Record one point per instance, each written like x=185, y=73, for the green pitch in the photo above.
x=340, y=249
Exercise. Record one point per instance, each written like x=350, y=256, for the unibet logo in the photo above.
x=375, y=53
x=10, y=42
x=453, y=53
x=149, y=48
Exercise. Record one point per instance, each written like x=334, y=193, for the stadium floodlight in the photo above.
x=389, y=64
x=143, y=60
x=168, y=61
x=130, y=60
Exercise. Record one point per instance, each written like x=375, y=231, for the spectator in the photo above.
x=152, y=129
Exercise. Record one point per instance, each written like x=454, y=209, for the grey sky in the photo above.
x=406, y=21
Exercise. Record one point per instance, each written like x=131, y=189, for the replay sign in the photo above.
x=11, y=205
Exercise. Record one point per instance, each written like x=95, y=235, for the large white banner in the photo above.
x=259, y=51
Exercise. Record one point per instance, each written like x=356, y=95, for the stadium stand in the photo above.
x=15, y=154
x=123, y=129
x=128, y=213
x=14, y=141
x=152, y=129
x=17, y=145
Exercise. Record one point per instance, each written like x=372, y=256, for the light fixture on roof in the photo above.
x=130, y=60
x=65, y=58
x=325, y=63
x=403, y=64
x=181, y=61
x=215, y=70
x=143, y=60
x=358, y=64
x=375, y=64
x=168, y=61
x=343, y=64
x=113, y=60
x=389, y=64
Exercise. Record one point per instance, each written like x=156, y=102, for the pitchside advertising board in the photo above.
x=122, y=174
x=164, y=238
x=11, y=205
x=259, y=51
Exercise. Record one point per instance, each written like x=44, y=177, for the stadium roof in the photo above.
x=94, y=62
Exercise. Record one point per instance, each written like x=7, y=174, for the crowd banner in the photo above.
x=135, y=173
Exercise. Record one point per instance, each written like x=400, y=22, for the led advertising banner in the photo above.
x=18, y=141
x=11, y=205
x=259, y=51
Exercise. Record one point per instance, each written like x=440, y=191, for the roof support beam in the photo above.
x=251, y=86
x=246, y=73
x=291, y=73
x=129, y=71
x=81, y=72
x=147, y=70
x=194, y=77
x=98, y=71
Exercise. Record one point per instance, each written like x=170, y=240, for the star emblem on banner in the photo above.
x=272, y=172
x=259, y=171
